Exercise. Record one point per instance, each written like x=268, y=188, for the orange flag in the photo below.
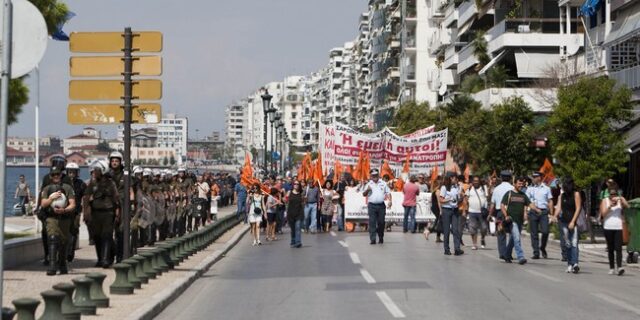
x=386, y=170
x=337, y=171
x=348, y=169
x=547, y=171
x=317, y=172
x=467, y=173
x=366, y=166
x=434, y=174
x=406, y=168
x=246, y=178
x=357, y=172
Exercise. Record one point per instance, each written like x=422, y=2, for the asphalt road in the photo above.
x=342, y=276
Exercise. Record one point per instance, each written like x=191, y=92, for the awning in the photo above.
x=590, y=7
x=535, y=64
x=627, y=28
x=492, y=62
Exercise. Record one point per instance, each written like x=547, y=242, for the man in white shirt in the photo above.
x=477, y=200
x=494, y=211
x=377, y=192
x=541, y=208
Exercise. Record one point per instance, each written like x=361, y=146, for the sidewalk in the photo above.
x=31, y=279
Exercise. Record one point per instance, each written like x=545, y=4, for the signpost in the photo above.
x=126, y=89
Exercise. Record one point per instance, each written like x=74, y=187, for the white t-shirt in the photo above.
x=613, y=220
x=478, y=200
x=203, y=190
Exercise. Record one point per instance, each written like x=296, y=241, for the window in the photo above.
x=294, y=125
x=294, y=135
x=294, y=115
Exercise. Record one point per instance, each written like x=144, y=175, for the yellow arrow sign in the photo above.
x=113, y=89
x=114, y=66
x=104, y=42
x=93, y=114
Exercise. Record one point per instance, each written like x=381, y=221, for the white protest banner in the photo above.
x=425, y=152
x=420, y=132
x=355, y=207
x=326, y=142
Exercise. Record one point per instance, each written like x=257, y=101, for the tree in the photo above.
x=508, y=144
x=165, y=161
x=412, y=116
x=468, y=128
x=54, y=13
x=103, y=146
x=584, y=130
x=172, y=160
x=480, y=48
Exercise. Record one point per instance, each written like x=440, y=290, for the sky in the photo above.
x=214, y=52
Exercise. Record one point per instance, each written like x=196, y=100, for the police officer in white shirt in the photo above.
x=540, y=210
x=377, y=192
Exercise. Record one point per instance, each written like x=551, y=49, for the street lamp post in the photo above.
x=266, y=108
x=280, y=148
x=274, y=121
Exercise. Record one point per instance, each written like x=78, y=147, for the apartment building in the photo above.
x=22, y=144
x=235, y=119
x=173, y=133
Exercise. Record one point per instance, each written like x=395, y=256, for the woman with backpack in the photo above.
x=566, y=213
x=611, y=211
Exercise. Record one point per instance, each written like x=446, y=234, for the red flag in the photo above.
x=547, y=172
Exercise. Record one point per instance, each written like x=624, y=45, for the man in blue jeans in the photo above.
x=514, y=208
x=496, y=212
x=541, y=209
x=377, y=192
x=241, y=199
x=312, y=195
x=410, y=192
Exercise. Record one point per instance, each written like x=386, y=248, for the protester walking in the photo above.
x=272, y=211
x=295, y=214
x=436, y=209
x=449, y=198
x=570, y=204
x=256, y=207
x=23, y=194
x=496, y=212
x=542, y=200
x=611, y=210
x=514, y=207
x=478, y=212
x=312, y=196
x=410, y=191
x=328, y=207
x=377, y=192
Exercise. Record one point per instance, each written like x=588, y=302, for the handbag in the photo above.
x=256, y=210
x=483, y=209
x=581, y=222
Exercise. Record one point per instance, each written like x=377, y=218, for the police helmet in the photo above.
x=100, y=166
x=182, y=169
x=146, y=172
x=58, y=161
x=137, y=169
x=116, y=154
x=72, y=166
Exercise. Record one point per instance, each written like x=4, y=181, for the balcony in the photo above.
x=436, y=11
x=378, y=20
x=466, y=58
x=628, y=76
x=539, y=99
x=450, y=58
x=410, y=42
x=410, y=73
x=440, y=39
x=394, y=72
x=450, y=16
x=466, y=11
x=531, y=33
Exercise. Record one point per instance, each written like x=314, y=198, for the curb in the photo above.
x=162, y=299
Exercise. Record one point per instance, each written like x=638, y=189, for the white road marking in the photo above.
x=542, y=275
x=333, y=234
x=354, y=257
x=617, y=302
x=343, y=244
x=390, y=305
x=367, y=276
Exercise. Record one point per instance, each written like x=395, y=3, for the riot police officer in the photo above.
x=58, y=203
x=73, y=171
x=102, y=211
x=116, y=174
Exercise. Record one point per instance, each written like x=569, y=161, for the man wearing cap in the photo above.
x=377, y=192
x=495, y=211
x=541, y=207
x=450, y=196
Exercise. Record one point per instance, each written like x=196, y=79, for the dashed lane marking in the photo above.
x=617, y=302
x=343, y=244
x=367, y=276
x=542, y=275
x=390, y=305
x=333, y=234
x=354, y=257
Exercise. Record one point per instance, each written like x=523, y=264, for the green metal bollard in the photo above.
x=52, y=305
x=69, y=311
x=121, y=285
x=140, y=269
x=8, y=313
x=131, y=275
x=82, y=297
x=182, y=252
x=96, y=292
x=173, y=249
x=26, y=308
x=166, y=255
x=148, y=264
x=159, y=252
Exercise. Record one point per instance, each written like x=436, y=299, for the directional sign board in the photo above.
x=114, y=66
x=105, y=42
x=113, y=89
x=96, y=114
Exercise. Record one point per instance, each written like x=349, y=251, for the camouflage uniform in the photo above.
x=103, y=199
x=58, y=228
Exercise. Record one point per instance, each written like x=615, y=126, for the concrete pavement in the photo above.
x=342, y=276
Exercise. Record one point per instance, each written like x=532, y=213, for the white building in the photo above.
x=78, y=141
x=154, y=153
x=235, y=119
x=173, y=133
x=22, y=144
